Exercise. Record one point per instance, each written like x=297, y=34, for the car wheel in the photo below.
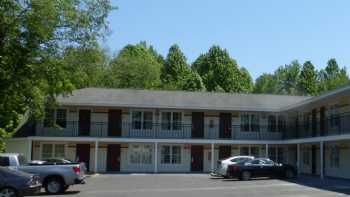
x=8, y=192
x=245, y=176
x=54, y=186
x=289, y=174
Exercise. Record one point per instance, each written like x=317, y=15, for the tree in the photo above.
x=193, y=82
x=220, y=72
x=135, y=67
x=266, y=83
x=88, y=66
x=175, y=69
x=33, y=34
x=287, y=77
x=332, y=76
x=307, y=82
x=246, y=80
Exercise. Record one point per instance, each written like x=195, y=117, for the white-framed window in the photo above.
x=142, y=120
x=171, y=121
x=52, y=150
x=334, y=116
x=306, y=157
x=140, y=154
x=170, y=154
x=250, y=122
x=58, y=116
x=334, y=162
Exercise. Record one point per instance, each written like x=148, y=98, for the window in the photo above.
x=244, y=151
x=58, y=117
x=52, y=151
x=171, y=120
x=334, y=163
x=280, y=155
x=4, y=161
x=271, y=124
x=307, y=121
x=250, y=122
x=254, y=151
x=170, y=154
x=282, y=124
x=142, y=120
x=334, y=116
x=272, y=153
x=61, y=117
x=140, y=154
x=306, y=157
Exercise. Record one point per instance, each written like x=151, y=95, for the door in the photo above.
x=225, y=125
x=197, y=124
x=83, y=154
x=322, y=121
x=313, y=159
x=197, y=158
x=224, y=152
x=84, y=122
x=114, y=123
x=113, y=157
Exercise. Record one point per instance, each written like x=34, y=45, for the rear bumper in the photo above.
x=80, y=180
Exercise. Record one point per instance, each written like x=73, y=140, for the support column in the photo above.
x=266, y=150
x=212, y=157
x=322, y=159
x=298, y=158
x=155, y=157
x=30, y=145
x=96, y=156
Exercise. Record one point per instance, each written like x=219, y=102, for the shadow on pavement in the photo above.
x=65, y=193
x=329, y=184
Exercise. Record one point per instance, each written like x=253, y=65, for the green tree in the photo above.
x=33, y=34
x=135, y=67
x=287, y=77
x=88, y=65
x=220, y=72
x=193, y=82
x=332, y=76
x=307, y=82
x=266, y=83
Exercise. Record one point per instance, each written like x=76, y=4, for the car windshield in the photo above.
x=241, y=159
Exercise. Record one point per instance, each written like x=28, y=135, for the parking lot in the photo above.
x=201, y=185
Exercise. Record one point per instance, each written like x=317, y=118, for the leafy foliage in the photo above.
x=33, y=34
x=332, y=76
x=307, y=82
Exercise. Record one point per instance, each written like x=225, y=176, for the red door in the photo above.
x=114, y=123
x=197, y=124
x=224, y=152
x=113, y=157
x=225, y=125
x=197, y=158
x=83, y=154
x=84, y=122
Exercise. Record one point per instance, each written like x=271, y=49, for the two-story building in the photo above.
x=125, y=130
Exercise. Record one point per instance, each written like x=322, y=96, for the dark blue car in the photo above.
x=14, y=183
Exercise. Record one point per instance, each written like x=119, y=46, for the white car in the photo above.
x=221, y=169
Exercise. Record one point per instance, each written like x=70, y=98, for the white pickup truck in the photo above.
x=56, y=178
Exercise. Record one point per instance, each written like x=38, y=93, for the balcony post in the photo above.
x=212, y=157
x=155, y=157
x=96, y=156
x=266, y=150
x=30, y=145
x=298, y=158
x=321, y=159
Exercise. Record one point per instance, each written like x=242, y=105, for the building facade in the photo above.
x=123, y=130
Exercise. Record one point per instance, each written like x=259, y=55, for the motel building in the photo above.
x=151, y=131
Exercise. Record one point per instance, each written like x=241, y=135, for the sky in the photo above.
x=260, y=35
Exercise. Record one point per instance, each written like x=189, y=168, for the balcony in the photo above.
x=158, y=131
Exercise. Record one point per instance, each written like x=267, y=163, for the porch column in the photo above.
x=212, y=157
x=322, y=159
x=266, y=150
x=298, y=158
x=30, y=145
x=155, y=157
x=96, y=156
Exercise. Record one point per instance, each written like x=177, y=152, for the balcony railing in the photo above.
x=156, y=130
